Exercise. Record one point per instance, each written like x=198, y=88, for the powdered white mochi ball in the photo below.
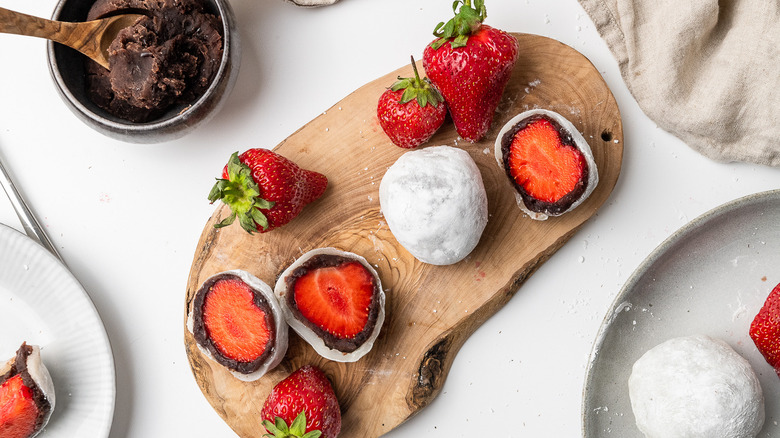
x=434, y=202
x=693, y=387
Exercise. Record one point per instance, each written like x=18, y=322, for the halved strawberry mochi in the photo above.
x=237, y=321
x=547, y=161
x=334, y=300
x=26, y=394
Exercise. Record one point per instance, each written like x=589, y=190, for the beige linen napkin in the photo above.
x=707, y=71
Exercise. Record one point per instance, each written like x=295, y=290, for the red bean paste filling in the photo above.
x=344, y=345
x=202, y=338
x=167, y=58
x=536, y=205
x=19, y=367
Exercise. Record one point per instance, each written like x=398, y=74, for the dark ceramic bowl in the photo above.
x=67, y=69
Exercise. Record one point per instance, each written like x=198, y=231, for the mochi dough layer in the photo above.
x=434, y=202
x=695, y=386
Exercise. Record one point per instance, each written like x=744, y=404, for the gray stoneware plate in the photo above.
x=711, y=277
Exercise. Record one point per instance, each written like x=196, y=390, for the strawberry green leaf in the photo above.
x=417, y=89
x=460, y=41
x=227, y=221
x=298, y=426
x=242, y=194
x=409, y=94
x=402, y=83
x=282, y=426
x=422, y=100
x=466, y=21
x=259, y=218
x=247, y=223
x=272, y=429
x=297, y=429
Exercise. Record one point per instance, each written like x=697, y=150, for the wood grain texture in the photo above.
x=431, y=310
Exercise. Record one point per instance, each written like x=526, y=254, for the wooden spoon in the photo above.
x=91, y=38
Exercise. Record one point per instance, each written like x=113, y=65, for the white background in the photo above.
x=126, y=218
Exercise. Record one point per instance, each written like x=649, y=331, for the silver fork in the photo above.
x=30, y=224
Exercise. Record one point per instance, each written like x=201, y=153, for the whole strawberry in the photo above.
x=411, y=111
x=765, y=329
x=302, y=405
x=470, y=63
x=265, y=190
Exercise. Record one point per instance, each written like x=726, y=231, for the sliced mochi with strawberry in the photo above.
x=334, y=300
x=26, y=394
x=548, y=162
x=237, y=322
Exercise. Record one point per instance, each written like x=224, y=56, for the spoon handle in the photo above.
x=76, y=35
x=26, y=217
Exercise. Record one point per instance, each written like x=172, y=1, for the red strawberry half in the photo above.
x=765, y=329
x=237, y=321
x=543, y=164
x=302, y=405
x=337, y=298
x=26, y=394
x=547, y=161
x=470, y=64
x=265, y=190
x=334, y=300
x=18, y=411
x=411, y=111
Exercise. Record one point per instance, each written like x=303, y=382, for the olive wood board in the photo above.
x=431, y=310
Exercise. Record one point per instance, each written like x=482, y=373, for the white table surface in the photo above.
x=126, y=218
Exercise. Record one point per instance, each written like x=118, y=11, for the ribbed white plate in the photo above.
x=712, y=276
x=43, y=304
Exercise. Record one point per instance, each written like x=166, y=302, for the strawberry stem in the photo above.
x=414, y=67
x=467, y=20
x=415, y=88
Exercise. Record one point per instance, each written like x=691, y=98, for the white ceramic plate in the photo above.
x=42, y=303
x=712, y=276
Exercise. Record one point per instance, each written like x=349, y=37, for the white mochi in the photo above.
x=40, y=374
x=693, y=387
x=435, y=204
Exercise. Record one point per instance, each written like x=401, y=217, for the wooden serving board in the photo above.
x=431, y=310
